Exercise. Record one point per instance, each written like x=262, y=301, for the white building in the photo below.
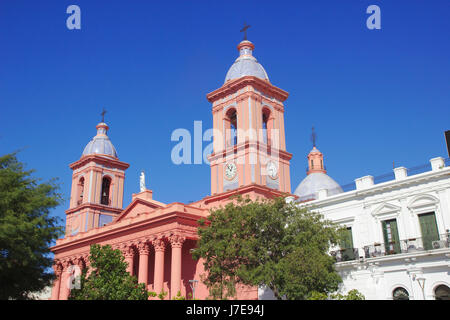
x=398, y=229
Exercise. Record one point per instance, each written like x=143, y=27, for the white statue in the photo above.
x=142, y=181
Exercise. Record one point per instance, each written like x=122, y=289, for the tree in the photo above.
x=26, y=230
x=267, y=243
x=108, y=278
x=351, y=295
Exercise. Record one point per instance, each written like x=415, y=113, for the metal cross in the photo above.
x=103, y=115
x=313, y=137
x=244, y=29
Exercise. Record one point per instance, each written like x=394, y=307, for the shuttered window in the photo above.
x=429, y=229
x=390, y=234
x=348, y=253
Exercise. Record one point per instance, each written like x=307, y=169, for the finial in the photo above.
x=103, y=115
x=244, y=29
x=313, y=137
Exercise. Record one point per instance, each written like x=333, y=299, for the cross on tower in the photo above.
x=244, y=29
x=103, y=115
x=313, y=137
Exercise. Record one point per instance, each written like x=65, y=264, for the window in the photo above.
x=429, y=230
x=390, y=234
x=106, y=183
x=266, y=125
x=442, y=292
x=231, y=127
x=400, y=294
x=346, y=245
x=80, y=191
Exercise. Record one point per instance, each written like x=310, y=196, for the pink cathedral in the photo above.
x=249, y=158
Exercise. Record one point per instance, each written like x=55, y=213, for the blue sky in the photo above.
x=374, y=96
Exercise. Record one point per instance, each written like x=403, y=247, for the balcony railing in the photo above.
x=347, y=254
x=411, y=245
x=407, y=246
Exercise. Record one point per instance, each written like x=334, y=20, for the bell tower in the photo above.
x=249, y=144
x=97, y=185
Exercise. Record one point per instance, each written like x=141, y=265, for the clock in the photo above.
x=272, y=170
x=230, y=170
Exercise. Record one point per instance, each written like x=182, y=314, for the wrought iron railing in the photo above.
x=347, y=254
x=407, y=246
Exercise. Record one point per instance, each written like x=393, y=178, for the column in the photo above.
x=57, y=282
x=128, y=252
x=176, y=242
x=144, y=250
x=64, y=290
x=160, y=246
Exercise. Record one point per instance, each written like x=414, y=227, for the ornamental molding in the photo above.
x=159, y=244
x=386, y=210
x=422, y=201
x=176, y=240
x=58, y=268
x=143, y=248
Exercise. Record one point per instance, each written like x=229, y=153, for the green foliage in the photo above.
x=26, y=230
x=270, y=243
x=351, y=295
x=108, y=279
x=162, y=295
x=179, y=296
x=354, y=295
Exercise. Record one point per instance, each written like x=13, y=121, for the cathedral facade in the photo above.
x=249, y=158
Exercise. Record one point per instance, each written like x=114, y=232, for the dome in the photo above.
x=246, y=64
x=100, y=144
x=308, y=188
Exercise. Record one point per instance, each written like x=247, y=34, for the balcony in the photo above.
x=407, y=246
x=347, y=254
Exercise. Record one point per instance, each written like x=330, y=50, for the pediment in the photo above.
x=423, y=200
x=386, y=208
x=137, y=207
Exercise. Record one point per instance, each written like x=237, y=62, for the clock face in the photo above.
x=272, y=170
x=230, y=170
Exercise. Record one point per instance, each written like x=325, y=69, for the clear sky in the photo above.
x=373, y=96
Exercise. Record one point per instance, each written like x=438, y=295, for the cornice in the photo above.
x=257, y=188
x=94, y=206
x=99, y=159
x=128, y=225
x=246, y=146
x=234, y=85
x=383, y=187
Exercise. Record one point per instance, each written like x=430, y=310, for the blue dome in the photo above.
x=246, y=64
x=100, y=144
x=308, y=188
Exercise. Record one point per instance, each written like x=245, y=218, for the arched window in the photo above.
x=106, y=183
x=400, y=294
x=231, y=127
x=80, y=191
x=442, y=292
x=266, y=125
